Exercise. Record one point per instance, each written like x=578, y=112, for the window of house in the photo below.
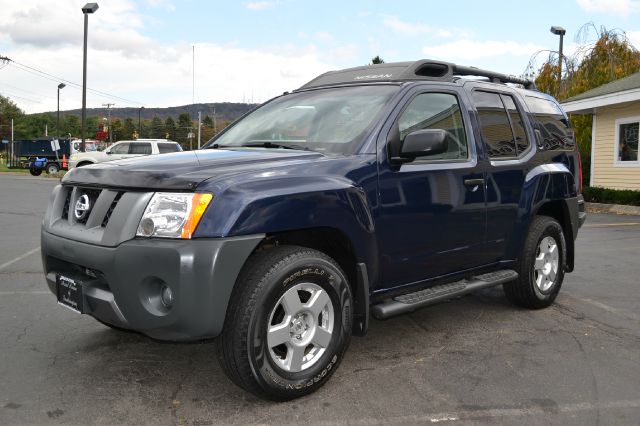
x=436, y=111
x=627, y=141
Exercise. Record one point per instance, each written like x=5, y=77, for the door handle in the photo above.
x=474, y=182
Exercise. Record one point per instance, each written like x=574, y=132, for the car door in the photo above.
x=506, y=137
x=432, y=216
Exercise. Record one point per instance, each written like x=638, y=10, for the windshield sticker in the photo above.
x=373, y=76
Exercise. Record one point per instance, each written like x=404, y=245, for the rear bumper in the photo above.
x=582, y=211
x=121, y=285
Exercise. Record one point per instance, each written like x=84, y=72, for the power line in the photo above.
x=48, y=76
x=13, y=95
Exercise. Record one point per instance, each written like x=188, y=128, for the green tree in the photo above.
x=207, y=121
x=128, y=128
x=8, y=111
x=185, y=125
x=117, y=130
x=156, y=128
x=170, y=128
x=596, y=62
x=377, y=60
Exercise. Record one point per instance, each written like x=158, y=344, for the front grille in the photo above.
x=65, y=208
x=101, y=216
x=112, y=207
x=101, y=205
x=93, y=195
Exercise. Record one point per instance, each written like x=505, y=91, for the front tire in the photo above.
x=288, y=323
x=541, y=266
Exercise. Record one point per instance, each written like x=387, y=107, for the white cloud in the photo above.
x=622, y=8
x=260, y=5
x=634, y=38
x=469, y=49
x=126, y=63
x=323, y=36
x=165, y=4
x=413, y=28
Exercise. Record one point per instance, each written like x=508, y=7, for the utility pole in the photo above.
x=215, y=130
x=199, y=127
x=109, y=116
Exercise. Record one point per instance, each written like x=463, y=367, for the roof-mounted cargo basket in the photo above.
x=424, y=69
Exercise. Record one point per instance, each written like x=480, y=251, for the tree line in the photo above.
x=34, y=126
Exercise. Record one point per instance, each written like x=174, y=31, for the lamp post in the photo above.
x=561, y=32
x=60, y=86
x=140, y=122
x=86, y=10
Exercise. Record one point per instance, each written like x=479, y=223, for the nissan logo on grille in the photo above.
x=82, y=208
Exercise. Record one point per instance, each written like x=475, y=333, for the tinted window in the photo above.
x=436, y=111
x=522, y=143
x=553, y=124
x=494, y=125
x=168, y=147
x=143, y=148
x=122, y=148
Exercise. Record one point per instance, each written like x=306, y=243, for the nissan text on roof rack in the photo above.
x=375, y=190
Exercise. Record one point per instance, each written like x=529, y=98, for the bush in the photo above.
x=611, y=196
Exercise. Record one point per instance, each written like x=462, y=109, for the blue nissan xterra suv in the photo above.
x=371, y=190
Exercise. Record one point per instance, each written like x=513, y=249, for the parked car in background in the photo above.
x=125, y=149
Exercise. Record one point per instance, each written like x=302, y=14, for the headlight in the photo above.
x=173, y=215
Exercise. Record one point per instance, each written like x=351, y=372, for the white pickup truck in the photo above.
x=124, y=149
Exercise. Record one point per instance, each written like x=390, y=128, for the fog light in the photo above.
x=147, y=227
x=166, y=296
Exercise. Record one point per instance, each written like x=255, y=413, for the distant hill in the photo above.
x=223, y=111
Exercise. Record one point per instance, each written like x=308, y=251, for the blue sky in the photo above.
x=140, y=51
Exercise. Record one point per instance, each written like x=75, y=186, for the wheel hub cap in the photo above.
x=300, y=327
x=545, y=268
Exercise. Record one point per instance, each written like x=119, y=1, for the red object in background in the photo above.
x=102, y=136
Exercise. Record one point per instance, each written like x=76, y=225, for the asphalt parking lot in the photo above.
x=473, y=360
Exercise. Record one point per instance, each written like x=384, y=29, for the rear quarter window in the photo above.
x=164, y=148
x=555, y=130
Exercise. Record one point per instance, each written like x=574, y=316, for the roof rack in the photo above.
x=424, y=69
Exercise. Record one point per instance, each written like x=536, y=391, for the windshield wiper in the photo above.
x=270, y=144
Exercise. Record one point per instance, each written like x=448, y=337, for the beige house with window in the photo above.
x=615, y=108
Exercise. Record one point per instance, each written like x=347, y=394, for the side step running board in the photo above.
x=411, y=301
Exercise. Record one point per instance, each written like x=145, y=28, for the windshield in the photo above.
x=328, y=120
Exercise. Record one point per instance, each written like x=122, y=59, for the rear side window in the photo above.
x=143, y=148
x=501, y=124
x=555, y=131
x=168, y=147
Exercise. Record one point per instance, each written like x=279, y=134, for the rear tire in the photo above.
x=35, y=172
x=541, y=266
x=288, y=323
x=52, y=168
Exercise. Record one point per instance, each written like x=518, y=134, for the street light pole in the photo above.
x=561, y=32
x=140, y=122
x=60, y=86
x=86, y=10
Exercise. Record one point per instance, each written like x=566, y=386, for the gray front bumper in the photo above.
x=121, y=283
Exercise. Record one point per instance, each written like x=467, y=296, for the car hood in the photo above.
x=183, y=170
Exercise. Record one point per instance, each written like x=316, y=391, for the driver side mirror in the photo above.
x=108, y=152
x=422, y=143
